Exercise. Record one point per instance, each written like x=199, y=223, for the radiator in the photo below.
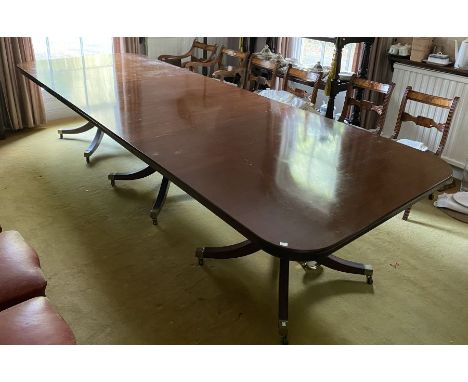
x=435, y=83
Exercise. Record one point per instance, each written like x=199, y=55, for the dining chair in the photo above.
x=356, y=84
x=236, y=73
x=292, y=93
x=443, y=127
x=261, y=73
x=306, y=77
x=194, y=61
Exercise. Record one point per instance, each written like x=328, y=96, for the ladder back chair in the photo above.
x=308, y=78
x=237, y=73
x=194, y=61
x=449, y=104
x=257, y=67
x=372, y=86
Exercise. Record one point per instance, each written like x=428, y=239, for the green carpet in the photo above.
x=118, y=279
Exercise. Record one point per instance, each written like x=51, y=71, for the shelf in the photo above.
x=344, y=40
x=444, y=69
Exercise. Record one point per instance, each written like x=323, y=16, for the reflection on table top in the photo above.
x=276, y=173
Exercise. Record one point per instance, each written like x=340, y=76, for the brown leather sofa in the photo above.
x=21, y=277
x=26, y=315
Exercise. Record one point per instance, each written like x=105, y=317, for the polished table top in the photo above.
x=292, y=181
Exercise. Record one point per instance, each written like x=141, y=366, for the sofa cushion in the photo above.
x=21, y=277
x=34, y=322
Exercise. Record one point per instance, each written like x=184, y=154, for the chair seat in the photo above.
x=21, y=277
x=288, y=98
x=414, y=144
x=34, y=322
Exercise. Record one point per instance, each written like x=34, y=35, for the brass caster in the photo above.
x=199, y=254
x=310, y=265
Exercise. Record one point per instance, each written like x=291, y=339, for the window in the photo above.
x=88, y=53
x=57, y=47
x=308, y=52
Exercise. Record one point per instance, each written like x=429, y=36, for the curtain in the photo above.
x=4, y=117
x=272, y=43
x=21, y=102
x=380, y=71
x=379, y=65
x=129, y=45
x=357, y=57
x=289, y=46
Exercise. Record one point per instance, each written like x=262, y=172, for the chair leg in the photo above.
x=406, y=214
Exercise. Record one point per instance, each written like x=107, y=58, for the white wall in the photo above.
x=177, y=45
x=168, y=45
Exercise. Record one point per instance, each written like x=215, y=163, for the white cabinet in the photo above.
x=435, y=83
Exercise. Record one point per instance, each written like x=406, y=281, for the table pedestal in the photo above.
x=247, y=247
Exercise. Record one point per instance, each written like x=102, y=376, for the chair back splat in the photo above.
x=194, y=60
x=236, y=73
x=308, y=78
x=443, y=127
x=261, y=73
x=372, y=86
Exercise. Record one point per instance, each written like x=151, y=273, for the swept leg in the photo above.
x=346, y=266
x=244, y=248
x=94, y=144
x=283, y=291
x=78, y=130
x=406, y=213
x=160, y=199
x=130, y=175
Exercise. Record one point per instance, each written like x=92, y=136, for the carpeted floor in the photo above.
x=118, y=279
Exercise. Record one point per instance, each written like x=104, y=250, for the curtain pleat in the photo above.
x=128, y=45
x=379, y=65
x=4, y=116
x=357, y=57
x=286, y=46
x=22, y=104
x=380, y=71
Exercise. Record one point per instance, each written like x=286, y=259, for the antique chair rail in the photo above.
x=427, y=99
x=356, y=85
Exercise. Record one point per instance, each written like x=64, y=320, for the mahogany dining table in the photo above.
x=296, y=185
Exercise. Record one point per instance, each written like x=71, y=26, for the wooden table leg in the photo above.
x=144, y=172
x=283, y=292
x=346, y=266
x=160, y=199
x=244, y=248
x=94, y=144
x=77, y=130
